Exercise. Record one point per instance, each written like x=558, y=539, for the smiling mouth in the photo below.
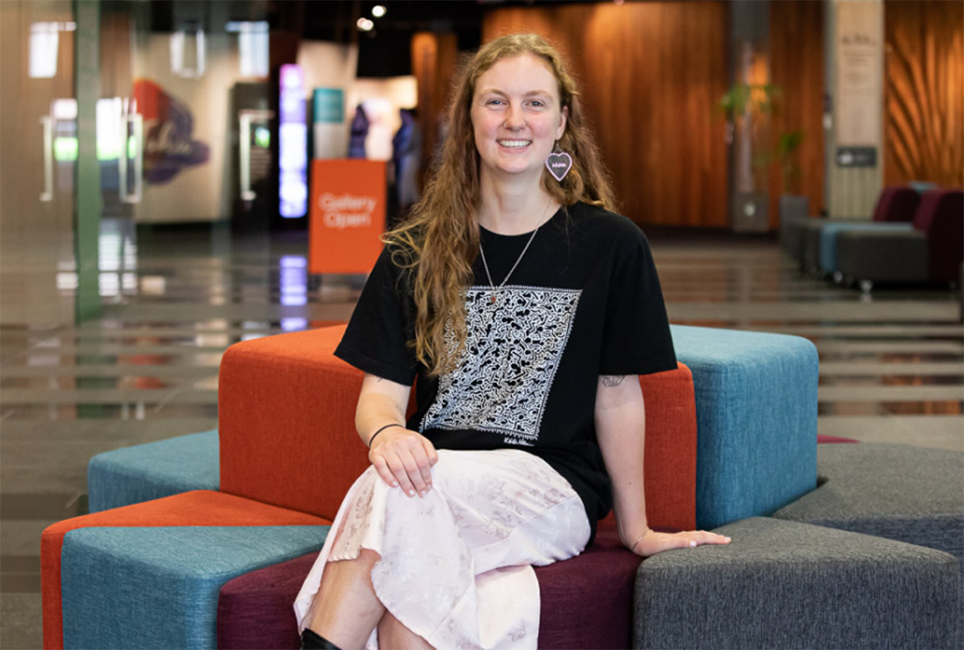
x=515, y=144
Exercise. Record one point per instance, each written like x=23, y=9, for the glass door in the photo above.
x=37, y=123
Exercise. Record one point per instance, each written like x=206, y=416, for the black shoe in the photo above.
x=312, y=641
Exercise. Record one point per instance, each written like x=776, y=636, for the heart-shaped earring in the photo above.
x=559, y=163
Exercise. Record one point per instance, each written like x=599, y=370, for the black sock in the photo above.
x=310, y=640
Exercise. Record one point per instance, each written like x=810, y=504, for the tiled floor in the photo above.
x=892, y=365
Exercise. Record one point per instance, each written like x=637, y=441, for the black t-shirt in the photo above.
x=584, y=301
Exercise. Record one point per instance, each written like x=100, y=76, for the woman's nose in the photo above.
x=514, y=120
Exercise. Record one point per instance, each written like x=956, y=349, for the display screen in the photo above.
x=293, y=144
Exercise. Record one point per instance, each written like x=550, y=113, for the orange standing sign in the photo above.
x=347, y=215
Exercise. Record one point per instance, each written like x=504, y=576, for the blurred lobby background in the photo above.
x=159, y=196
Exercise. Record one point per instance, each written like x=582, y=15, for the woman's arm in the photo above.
x=401, y=457
x=620, y=417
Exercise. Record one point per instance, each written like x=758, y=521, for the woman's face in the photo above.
x=516, y=116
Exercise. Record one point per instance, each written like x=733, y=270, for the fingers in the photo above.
x=404, y=459
x=381, y=466
x=430, y=451
x=699, y=537
x=397, y=465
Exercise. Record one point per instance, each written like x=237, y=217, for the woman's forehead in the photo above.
x=524, y=75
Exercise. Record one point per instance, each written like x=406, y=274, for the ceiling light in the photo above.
x=378, y=11
x=365, y=25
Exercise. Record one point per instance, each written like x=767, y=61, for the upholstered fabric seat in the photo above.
x=783, y=584
x=896, y=205
x=909, y=494
x=799, y=235
x=931, y=252
x=587, y=601
x=154, y=470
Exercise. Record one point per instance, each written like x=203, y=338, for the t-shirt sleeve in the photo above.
x=383, y=322
x=637, y=339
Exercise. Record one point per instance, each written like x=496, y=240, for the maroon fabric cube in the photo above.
x=896, y=204
x=587, y=602
x=941, y=216
x=828, y=440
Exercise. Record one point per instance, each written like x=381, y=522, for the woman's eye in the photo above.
x=493, y=102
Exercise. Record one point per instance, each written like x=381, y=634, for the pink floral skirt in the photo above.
x=456, y=566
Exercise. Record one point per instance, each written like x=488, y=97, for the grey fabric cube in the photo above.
x=783, y=584
x=810, y=241
x=793, y=232
x=905, y=493
x=884, y=256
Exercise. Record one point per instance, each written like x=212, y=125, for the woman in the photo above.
x=520, y=303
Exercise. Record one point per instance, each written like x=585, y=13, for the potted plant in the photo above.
x=746, y=107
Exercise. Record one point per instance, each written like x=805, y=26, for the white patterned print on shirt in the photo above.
x=512, y=351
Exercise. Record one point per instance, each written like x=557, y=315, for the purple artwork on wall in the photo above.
x=168, y=129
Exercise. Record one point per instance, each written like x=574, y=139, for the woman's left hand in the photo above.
x=652, y=542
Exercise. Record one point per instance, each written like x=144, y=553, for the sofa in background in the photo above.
x=932, y=251
x=797, y=233
x=895, y=210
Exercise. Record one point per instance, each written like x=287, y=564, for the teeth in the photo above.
x=515, y=143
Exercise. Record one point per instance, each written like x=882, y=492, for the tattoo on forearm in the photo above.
x=611, y=381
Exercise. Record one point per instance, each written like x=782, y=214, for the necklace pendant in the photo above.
x=492, y=299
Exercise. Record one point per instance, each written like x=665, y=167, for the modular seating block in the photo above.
x=153, y=470
x=756, y=410
x=895, y=204
x=190, y=510
x=158, y=587
x=587, y=601
x=830, y=232
x=931, y=252
x=783, y=584
x=756, y=414
x=287, y=409
x=904, y=493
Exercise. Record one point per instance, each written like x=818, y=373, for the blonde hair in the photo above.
x=439, y=241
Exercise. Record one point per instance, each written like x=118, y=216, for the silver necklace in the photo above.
x=496, y=290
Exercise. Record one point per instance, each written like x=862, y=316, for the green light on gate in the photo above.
x=262, y=137
x=108, y=151
x=65, y=149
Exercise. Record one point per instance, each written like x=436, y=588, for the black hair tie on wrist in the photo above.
x=387, y=426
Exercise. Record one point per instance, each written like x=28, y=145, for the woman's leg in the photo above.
x=392, y=635
x=346, y=610
x=487, y=510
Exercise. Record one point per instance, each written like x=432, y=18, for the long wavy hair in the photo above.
x=439, y=240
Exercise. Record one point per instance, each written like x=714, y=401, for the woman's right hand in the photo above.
x=404, y=458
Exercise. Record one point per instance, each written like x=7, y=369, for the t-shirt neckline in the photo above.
x=492, y=234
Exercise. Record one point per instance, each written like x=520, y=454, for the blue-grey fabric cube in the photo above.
x=153, y=470
x=756, y=420
x=129, y=588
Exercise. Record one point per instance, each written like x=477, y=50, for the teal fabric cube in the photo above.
x=158, y=587
x=153, y=470
x=756, y=420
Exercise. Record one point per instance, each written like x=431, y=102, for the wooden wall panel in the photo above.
x=651, y=73
x=797, y=64
x=434, y=61
x=924, y=92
